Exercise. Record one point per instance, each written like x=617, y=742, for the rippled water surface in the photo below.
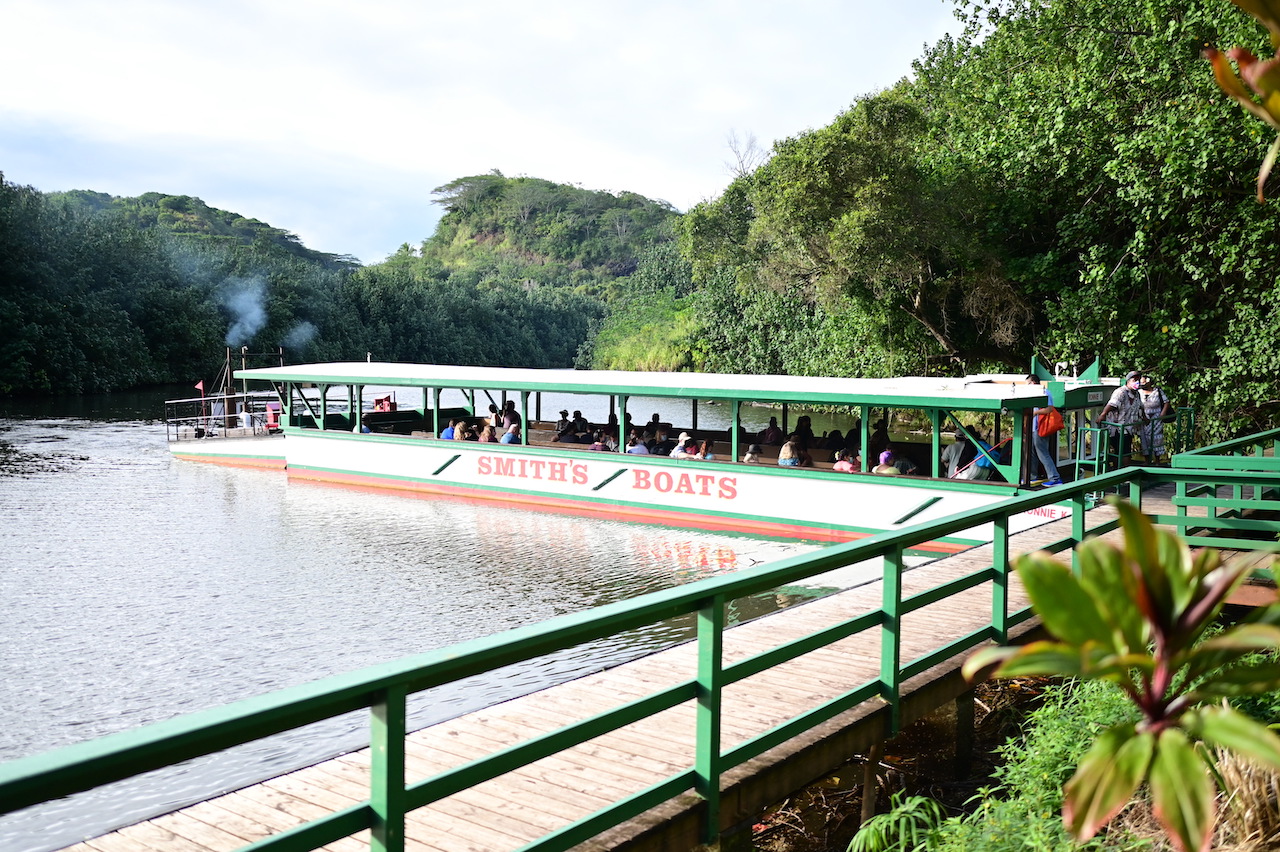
x=137, y=588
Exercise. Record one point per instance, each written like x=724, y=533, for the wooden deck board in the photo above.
x=514, y=809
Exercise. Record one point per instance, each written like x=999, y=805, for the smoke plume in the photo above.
x=245, y=299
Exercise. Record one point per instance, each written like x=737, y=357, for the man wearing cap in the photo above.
x=562, y=425
x=680, y=442
x=1123, y=412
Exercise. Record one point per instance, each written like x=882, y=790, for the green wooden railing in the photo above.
x=384, y=689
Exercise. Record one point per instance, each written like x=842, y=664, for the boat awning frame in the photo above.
x=982, y=393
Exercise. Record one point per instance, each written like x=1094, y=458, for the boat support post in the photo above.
x=935, y=426
x=524, y=417
x=735, y=428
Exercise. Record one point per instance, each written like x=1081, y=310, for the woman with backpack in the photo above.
x=1155, y=407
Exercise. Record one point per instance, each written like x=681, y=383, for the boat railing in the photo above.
x=234, y=415
x=384, y=690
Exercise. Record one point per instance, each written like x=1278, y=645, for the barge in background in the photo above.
x=341, y=423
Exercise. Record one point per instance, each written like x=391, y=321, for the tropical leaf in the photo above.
x=1106, y=779
x=983, y=663
x=1107, y=577
x=1043, y=658
x=1231, y=729
x=1182, y=793
x=1067, y=609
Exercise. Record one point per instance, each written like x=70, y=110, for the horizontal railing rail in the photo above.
x=1245, y=453
x=384, y=689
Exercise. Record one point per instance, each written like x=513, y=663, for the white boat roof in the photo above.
x=979, y=392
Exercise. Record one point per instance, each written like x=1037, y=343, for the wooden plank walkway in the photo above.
x=510, y=811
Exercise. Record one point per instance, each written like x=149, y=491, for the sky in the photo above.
x=336, y=120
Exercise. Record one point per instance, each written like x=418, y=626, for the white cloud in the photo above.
x=335, y=119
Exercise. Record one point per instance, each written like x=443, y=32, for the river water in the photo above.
x=137, y=588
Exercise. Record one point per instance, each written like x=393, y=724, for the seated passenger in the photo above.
x=789, y=455
x=680, y=442
x=771, y=434
x=562, y=425
x=834, y=442
x=878, y=441
x=597, y=441
x=706, y=451
x=446, y=434
x=488, y=435
x=843, y=463
x=635, y=447
x=512, y=435
x=752, y=455
x=951, y=455
x=905, y=466
x=687, y=450
x=662, y=445
x=804, y=430
x=460, y=430
x=579, y=423
x=886, y=466
x=510, y=416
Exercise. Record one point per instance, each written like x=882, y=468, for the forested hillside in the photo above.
x=100, y=293
x=499, y=230
x=1064, y=179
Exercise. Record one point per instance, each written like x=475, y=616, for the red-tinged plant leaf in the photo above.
x=1106, y=576
x=1246, y=637
x=1067, y=610
x=1225, y=650
x=983, y=663
x=1106, y=779
x=1232, y=730
x=1141, y=546
x=1201, y=611
x=1182, y=793
x=1043, y=658
x=1231, y=84
x=1267, y=163
x=1267, y=13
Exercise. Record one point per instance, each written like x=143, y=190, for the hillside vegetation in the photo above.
x=1064, y=178
x=100, y=293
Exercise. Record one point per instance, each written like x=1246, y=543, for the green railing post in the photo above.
x=1000, y=582
x=1135, y=492
x=386, y=793
x=710, y=666
x=1078, y=506
x=891, y=638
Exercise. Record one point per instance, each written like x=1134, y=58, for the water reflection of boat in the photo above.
x=342, y=424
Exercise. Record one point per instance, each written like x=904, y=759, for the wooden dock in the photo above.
x=510, y=811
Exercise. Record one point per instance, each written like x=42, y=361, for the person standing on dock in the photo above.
x=1155, y=408
x=1123, y=413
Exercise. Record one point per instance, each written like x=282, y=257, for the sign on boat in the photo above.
x=341, y=423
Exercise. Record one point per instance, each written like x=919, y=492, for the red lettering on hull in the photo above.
x=726, y=487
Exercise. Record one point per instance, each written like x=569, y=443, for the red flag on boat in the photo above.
x=200, y=386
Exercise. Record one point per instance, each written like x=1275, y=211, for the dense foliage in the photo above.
x=100, y=293
x=526, y=230
x=1063, y=179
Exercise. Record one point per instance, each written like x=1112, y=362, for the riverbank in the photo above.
x=922, y=760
